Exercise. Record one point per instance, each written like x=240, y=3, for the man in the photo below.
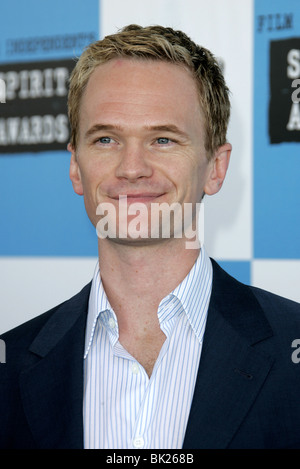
x=163, y=349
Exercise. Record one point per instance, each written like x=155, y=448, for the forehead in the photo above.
x=138, y=90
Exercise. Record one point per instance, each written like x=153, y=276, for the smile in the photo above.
x=138, y=197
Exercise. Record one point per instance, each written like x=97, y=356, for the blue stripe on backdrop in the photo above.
x=241, y=270
x=40, y=215
x=49, y=25
x=276, y=158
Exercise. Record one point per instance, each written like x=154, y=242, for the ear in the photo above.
x=75, y=175
x=219, y=166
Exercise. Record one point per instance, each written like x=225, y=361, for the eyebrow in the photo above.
x=101, y=127
x=171, y=128
x=168, y=128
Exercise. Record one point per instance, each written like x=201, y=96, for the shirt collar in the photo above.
x=192, y=294
x=98, y=303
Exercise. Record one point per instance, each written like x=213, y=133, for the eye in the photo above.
x=163, y=141
x=105, y=140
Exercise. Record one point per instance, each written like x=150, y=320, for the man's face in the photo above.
x=141, y=135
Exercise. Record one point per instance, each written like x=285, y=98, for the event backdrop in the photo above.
x=48, y=247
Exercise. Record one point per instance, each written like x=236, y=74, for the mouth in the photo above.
x=143, y=197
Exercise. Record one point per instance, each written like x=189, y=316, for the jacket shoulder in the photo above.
x=20, y=338
x=271, y=300
x=57, y=329
x=247, y=306
x=282, y=313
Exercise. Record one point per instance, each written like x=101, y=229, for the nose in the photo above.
x=133, y=163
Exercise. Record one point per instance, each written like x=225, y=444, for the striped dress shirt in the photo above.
x=125, y=409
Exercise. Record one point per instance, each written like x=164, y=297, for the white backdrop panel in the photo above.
x=31, y=286
x=279, y=276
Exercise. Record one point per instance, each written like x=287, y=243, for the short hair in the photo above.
x=165, y=44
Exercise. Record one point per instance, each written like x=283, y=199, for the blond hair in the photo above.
x=158, y=43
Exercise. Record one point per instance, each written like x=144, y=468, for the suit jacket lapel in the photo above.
x=52, y=382
x=231, y=370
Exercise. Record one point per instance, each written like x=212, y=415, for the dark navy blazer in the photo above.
x=247, y=392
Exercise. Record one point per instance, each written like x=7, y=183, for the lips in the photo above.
x=141, y=197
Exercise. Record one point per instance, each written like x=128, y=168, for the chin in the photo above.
x=138, y=242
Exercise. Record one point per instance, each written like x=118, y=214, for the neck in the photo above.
x=143, y=273
x=135, y=280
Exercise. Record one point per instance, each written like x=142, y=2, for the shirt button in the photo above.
x=138, y=442
x=135, y=369
x=112, y=323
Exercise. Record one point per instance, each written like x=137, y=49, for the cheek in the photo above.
x=195, y=182
x=91, y=175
